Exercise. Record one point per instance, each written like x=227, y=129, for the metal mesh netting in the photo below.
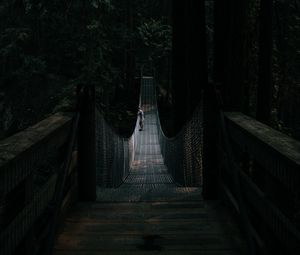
x=182, y=154
x=115, y=154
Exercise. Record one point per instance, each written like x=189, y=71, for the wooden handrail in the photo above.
x=275, y=153
x=60, y=185
x=269, y=173
x=24, y=197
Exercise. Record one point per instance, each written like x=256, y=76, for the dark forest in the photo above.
x=49, y=47
x=149, y=127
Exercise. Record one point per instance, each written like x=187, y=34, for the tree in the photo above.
x=264, y=93
x=189, y=58
x=230, y=51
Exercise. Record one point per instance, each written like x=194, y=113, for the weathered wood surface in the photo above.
x=273, y=160
x=269, y=173
x=188, y=227
x=14, y=233
x=285, y=146
x=24, y=152
x=29, y=162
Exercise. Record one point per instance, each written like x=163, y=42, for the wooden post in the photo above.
x=229, y=61
x=87, y=147
x=210, y=149
x=30, y=238
x=229, y=51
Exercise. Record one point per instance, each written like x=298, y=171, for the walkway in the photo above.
x=149, y=179
x=149, y=213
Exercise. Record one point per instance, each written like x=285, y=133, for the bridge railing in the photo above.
x=268, y=164
x=115, y=154
x=30, y=162
x=183, y=153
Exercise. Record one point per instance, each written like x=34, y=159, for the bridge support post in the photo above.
x=87, y=147
x=210, y=149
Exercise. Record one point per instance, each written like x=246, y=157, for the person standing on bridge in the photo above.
x=141, y=117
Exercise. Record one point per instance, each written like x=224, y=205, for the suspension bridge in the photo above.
x=145, y=192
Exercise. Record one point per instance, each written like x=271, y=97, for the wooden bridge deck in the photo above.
x=149, y=213
x=186, y=227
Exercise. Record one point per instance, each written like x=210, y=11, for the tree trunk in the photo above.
x=189, y=58
x=281, y=22
x=229, y=57
x=264, y=93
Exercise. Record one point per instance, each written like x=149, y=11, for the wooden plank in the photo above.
x=152, y=252
x=275, y=140
x=157, y=216
x=136, y=242
x=281, y=226
x=22, y=141
x=151, y=208
x=277, y=153
x=13, y=234
x=70, y=198
x=26, y=151
x=150, y=211
x=87, y=229
x=209, y=227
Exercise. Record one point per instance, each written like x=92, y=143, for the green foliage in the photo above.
x=286, y=66
x=47, y=47
x=157, y=39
